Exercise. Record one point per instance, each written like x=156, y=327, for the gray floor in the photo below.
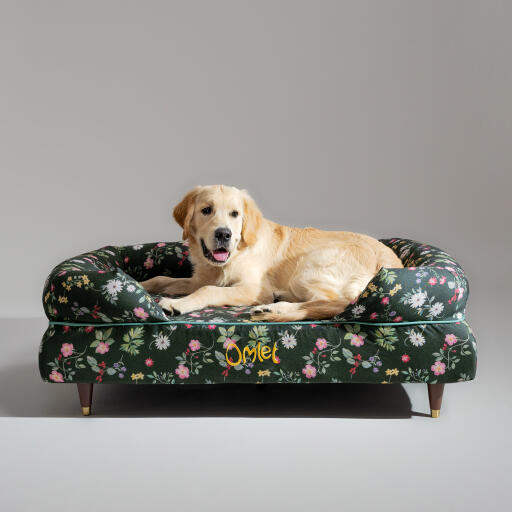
x=254, y=448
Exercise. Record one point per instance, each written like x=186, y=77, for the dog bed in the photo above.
x=408, y=325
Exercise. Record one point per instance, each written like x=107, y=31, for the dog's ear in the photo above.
x=252, y=220
x=184, y=211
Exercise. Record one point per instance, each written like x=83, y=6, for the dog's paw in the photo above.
x=277, y=312
x=262, y=313
x=260, y=310
x=170, y=306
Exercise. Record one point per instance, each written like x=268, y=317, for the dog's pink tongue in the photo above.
x=220, y=254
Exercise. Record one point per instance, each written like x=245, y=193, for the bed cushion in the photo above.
x=408, y=325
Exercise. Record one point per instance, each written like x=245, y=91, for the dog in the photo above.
x=241, y=258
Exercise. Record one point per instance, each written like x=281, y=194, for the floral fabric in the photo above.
x=370, y=341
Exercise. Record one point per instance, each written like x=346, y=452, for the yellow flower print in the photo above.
x=137, y=376
x=372, y=287
x=395, y=289
x=85, y=279
x=79, y=284
x=264, y=373
x=390, y=372
x=69, y=278
x=364, y=295
x=63, y=300
x=46, y=297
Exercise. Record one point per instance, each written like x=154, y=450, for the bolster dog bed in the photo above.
x=408, y=325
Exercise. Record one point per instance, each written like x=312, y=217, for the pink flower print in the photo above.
x=194, y=345
x=373, y=316
x=432, y=281
x=56, y=376
x=89, y=329
x=160, y=244
x=438, y=368
x=140, y=313
x=229, y=341
x=309, y=371
x=405, y=358
x=398, y=319
x=66, y=329
x=66, y=349
x=149, y=263
x=442, y=280
x=321, y=343
x=357, y=340
x=385, y=300
x=207, y=310
x=195, y=315
x=182, y=372
x=102, y=347
x=211, y=327
x=149, y=362
x=188, y=326
x=450, y=339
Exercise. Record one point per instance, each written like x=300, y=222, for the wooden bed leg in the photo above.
x=85, y=394
x=435, y=397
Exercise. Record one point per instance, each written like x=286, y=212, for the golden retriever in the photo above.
x=241, y=258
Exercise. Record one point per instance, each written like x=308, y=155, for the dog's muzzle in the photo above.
x=219, y=255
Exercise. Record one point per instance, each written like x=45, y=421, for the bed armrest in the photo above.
x=431, y=287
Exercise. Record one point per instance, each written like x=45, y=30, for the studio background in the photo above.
x=389, y=118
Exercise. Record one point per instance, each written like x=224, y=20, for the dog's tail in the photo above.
x=312, y=310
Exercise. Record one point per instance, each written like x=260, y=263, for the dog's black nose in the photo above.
x=222, y=234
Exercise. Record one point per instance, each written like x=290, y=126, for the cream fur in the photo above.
x=318, y=273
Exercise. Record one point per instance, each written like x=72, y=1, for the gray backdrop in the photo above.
x=385, y=117
x=389, y=118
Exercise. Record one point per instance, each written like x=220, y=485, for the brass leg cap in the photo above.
x=435, y=413
x=86, y=411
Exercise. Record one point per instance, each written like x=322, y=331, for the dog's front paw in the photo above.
x=170, y=306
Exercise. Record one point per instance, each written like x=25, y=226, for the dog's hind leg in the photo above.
x=297, y=311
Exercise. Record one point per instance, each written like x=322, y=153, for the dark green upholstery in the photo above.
x=408, y=325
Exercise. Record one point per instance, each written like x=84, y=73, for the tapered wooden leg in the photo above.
x=85, y=394
x=435, y=397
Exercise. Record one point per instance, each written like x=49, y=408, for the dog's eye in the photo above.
x=207, y=210
x=234, y=213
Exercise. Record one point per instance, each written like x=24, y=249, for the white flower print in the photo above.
x=114, y=286
x=357, y=310
x=137, y=247
x=436, y=309
x=416, y=339
x=288, y=340
x=218, y=320
x=418, y=299
x=130, y=288
x=162, y=341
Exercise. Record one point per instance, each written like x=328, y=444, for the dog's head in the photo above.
x=221, y=220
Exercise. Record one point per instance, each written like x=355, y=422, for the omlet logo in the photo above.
x=259, y=351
